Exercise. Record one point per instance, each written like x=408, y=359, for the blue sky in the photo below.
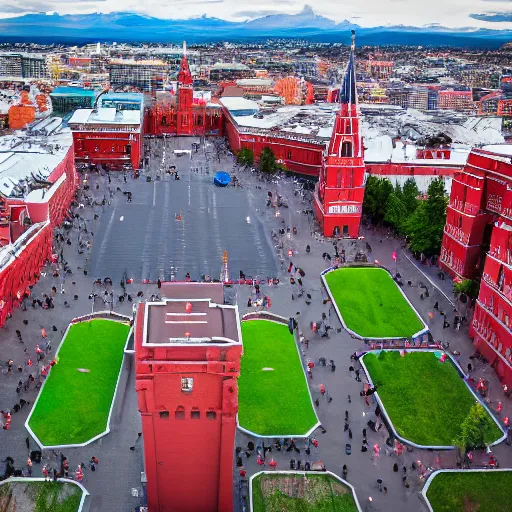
x=451, y=13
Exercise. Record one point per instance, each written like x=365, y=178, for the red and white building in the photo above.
x=188, y=348
x=181, y=114
x=38, y=181
x=108, y=136
x=478, y=241
x=338, y=198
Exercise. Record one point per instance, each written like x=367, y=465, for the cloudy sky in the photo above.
x=451, y=13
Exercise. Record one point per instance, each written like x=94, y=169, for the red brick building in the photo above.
x=29, y=213
x=338, y=199
x=456, y=100
x=188, y=349
x=108, y=136
x=181, y=115
x=478, y=241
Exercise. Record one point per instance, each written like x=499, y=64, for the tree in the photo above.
x=376, y=195
x=425, y=226
x=268, y=161
x=474, y=429
x=245, y=156
x=410, y=192
x=468, y=287
x=396, y=213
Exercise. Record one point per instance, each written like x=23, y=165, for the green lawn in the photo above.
x=74, y=405
x=426, y=400
x=316, y=493
x=42, y=496
x=371, y=303
x=274, y=402
x=488, y=491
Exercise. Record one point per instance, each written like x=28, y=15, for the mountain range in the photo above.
x=133, y=27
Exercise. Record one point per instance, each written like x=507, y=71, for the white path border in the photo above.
x=331, y=474
x=461, y=374
x=86, y=318
x=282, y=321
x=85, y=493
x=425, y=329
x=435, y=473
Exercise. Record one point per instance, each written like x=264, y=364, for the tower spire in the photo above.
x=184, y=48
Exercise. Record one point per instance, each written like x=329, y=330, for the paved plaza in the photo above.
x=173, y=227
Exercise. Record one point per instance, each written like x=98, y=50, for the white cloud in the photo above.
x=450, y=13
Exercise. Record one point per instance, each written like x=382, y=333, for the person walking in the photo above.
x=29, y=466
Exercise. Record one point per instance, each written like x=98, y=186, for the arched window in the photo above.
x=211, y=415
x=179, y=413
x=195, y=414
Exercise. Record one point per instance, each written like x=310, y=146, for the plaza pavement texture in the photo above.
x=166, y=248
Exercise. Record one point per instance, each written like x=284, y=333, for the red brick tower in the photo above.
x=185, y=97
x=339, y=195
x=188, y=349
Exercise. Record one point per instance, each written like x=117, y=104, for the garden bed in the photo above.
x=37, y=496
x=462, y=491
x=273, y=398
x=301, y=492
x=74, y=404
x=425, y=400
x=371, y=304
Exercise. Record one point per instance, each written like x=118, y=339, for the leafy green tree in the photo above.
x=410, y=192
x=268, y=161
x=396, y=213
x=245, y=156
x=377, y=192
x=398, y=191
x=474, y=429
x=425, y=226
x=467, y=287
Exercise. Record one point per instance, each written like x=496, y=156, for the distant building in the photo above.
x=230, y=71
x=418, y=98
x=23, y=65
x=456, y=100
x=378, y=69
x=144, y=75
x=398, y=96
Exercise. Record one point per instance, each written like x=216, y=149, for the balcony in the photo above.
x=499, y=323
x=464, y=207
x=454, y=264
x=457, y=233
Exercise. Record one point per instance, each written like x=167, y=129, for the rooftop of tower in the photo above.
x=209, y=321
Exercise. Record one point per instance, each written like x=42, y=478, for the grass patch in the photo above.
x=469, y=491
x=74, y=405
x=274, y=402
x=41, y=496
x=425, y=399
x=371, y=303
x=294, y=493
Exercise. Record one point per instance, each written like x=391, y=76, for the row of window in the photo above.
x=180, y=414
